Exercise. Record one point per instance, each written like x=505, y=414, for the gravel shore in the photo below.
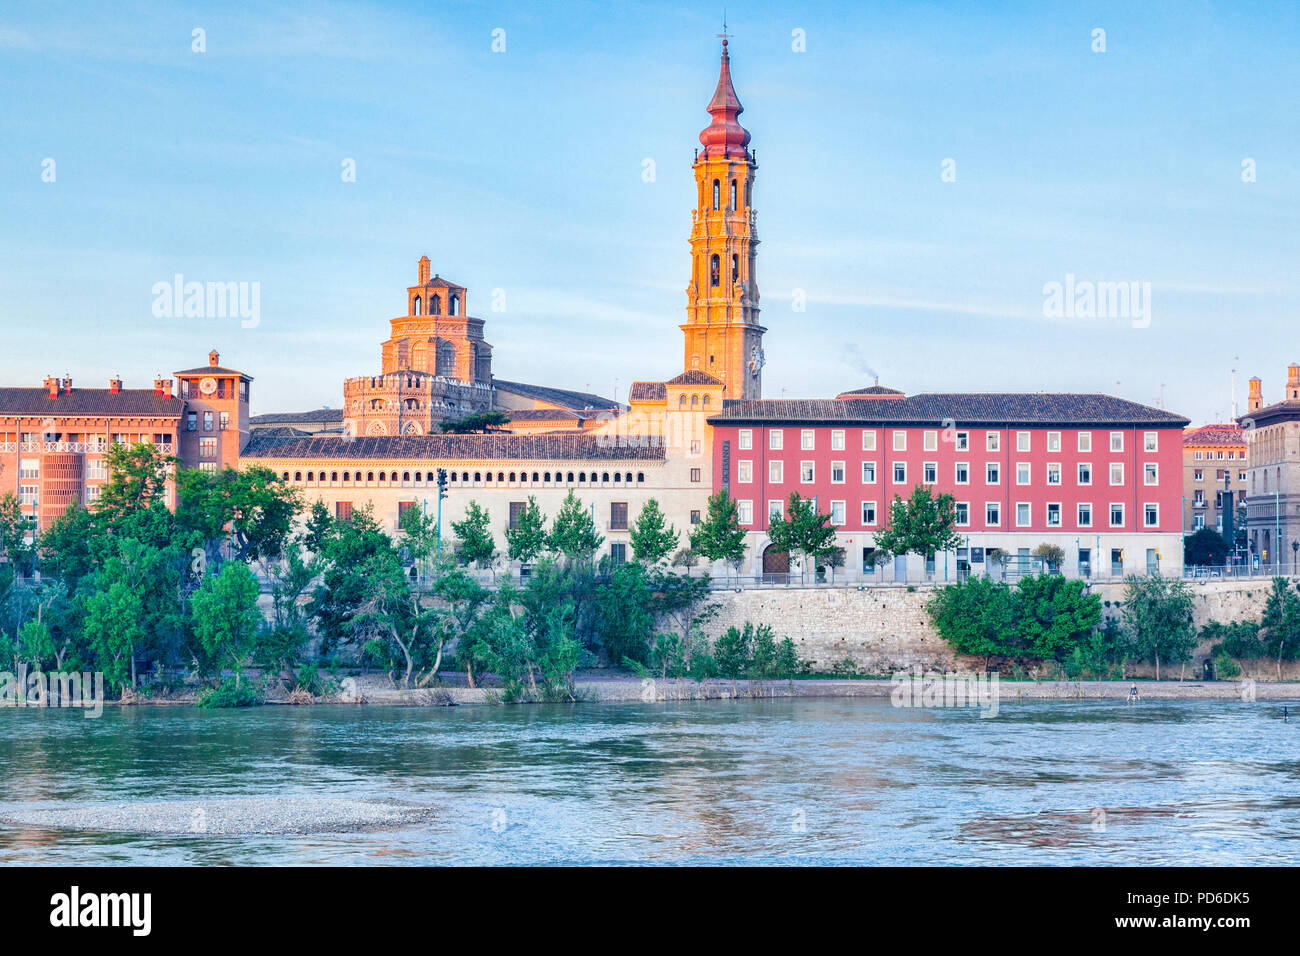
x=222, y=817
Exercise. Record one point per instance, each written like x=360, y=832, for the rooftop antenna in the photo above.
x=1162, y=394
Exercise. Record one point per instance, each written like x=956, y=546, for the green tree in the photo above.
x=475, y=424
x=653, y=538
x=731, y=651
x=225, y=616
x=137, y=478
x=976, y=616
x=254, y=506
x=802, y=530
x=527, y=539
x=1281, y=621
x=787, y=659
x=1205, y=547
x=925, y=524
x=14, y=530
x=319, y=528
x=1158, y=616
x=625, y=620
x=1053, y=555
x=573, y=532
x=719, y=537
x=1054, y=615
x=475, y=543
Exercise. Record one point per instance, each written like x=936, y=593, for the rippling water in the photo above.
x=743, y=782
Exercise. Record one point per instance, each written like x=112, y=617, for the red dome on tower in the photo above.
x=725, y=137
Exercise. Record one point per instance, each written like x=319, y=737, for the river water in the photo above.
x=836, y=781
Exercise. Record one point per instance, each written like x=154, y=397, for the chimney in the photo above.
x=1292, y=381
x=67, y=383
x=115, y=384
x=157, y=385
x=214, y=358
x=424, y=270
x=1256, y=399
x=52, y=386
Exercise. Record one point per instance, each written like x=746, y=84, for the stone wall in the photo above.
x=883, y=629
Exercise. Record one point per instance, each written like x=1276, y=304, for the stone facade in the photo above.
x=1272, y=435
x=1214, y=461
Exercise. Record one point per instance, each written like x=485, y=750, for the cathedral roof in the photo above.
x=578, y=401
x=500, y=446
x=694, y=377
x=725, y=137
x=648, y=392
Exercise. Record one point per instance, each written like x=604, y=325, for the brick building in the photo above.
x=1272, y=434
x=1214, y=461
x=1098, y=476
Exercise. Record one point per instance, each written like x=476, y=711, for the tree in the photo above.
x=254, y=505
x=719, y=537
x=1054, y=615
x=924, y=524
x=527, y=538
x=573, y=532
x=1205, y=547
x=225, y=616
x=1158, y=616
x=1282, y=620
x=976, y=616
x=14, y=529
x=625, y=621
x=653, y=539
x=475, y=544
x=731, y=652
x=460, y=599
x=1053, y=555
x=137, y=478
x=802, y=530
x=475, y=424
x=319, y=528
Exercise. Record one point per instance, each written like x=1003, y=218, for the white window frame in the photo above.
x=957, y=506
x=956, y=473
x=1085, y=442
x=807, y=439
x=1116, y=441
x=811, y=468
x=837, y=439
x=843, y=473
x=900, y=439
x=1059, y=480
x=1078, y=474
x=870, y=522
x=992, y=441
x=1023, y=442
x=996, y=520
x=1110, y=514
x=931, y=441
x=1048, y=514
x=898, y=480
x=1150, y=473
x=745, y=511
x=869, y=439
x=745, y=471
x=1150, y=504
x=1078, y=514
x=926, y=468
x=1029, y=514
x=1114, y=465
x=997, y=472
x=835, y=503
x=1053, y=441
x=776, y=439
x=1028, y=469
x=776, y=472
x=745, y=439
x=874, y=473
x=1150, y=441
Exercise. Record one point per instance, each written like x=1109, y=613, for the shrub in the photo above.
x=228, y=693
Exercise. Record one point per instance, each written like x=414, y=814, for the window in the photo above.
x=618, y=553
x=1085, y=515
x=776, y=439
x=1149, y=442
x=29, y=468
x=1117, y=515
x=993, y=514
x=96, y=468
x=343, y=510
x=744, y=472
x=1022, y=441
x=837, y=439
x=1085, y=441
x=225, y=420
x=745, y=439
x=837, y=512
x=806, y=472
x=1022, y=473
x=1116, y=441
x=869, y=440
x=207, y=448
x=931, y=442
x=1085, y=473
x=962, y=473
x=992, y=441
x=1150, y=474
x=776, y=472
x=1117, y=473
x=1022, y=514
x=717, y=194
x=807, y=439
x=868, y=472
x=930, y=472
x=900, y=441
x=516, y=513
x=695, y=444
x=1053, y=441
x=1054, y=473
x=618, y=516
x=27, y=494
x=963, y=441
x=963, y=513
x=837, y=472
x=868, y=512
x=775, y=510
x=1053, y=514
x=92, y=492
x=900, y=473
x=207, y=421
x=1197, y=456
x=745, y=512
x=993, y=473
x=695, y=517
x=1151, y=515
x=192, y=421
x=695, y=474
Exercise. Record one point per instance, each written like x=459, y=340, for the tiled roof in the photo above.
x=499, y=447
x=648, y=392
x=694, y=377
x=1011, y=408
x=870, y=390
x=578, y=401
x=1286, y=410
x=541, y=414
x=135, y=402
x=283, y=431
x=213, y=370
x=1220, y=434
x=442, y=283
x=289, y=418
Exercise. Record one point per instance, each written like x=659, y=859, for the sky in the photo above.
x=926, y=171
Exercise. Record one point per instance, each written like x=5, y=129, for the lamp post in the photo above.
x=1295, y=547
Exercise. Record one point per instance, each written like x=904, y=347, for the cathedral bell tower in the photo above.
x=723, y=335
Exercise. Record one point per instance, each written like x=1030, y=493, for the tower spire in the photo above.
x=724, y=137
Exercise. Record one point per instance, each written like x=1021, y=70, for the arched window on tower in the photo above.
x=454, y=305
x=733, y=195
x=714, y=270
x=735, y=268
x=717, y=194
x=435, y=305
x=416, y=309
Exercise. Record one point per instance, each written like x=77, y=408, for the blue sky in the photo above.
x=522, y=171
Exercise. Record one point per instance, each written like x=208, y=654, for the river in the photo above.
x=833, y=781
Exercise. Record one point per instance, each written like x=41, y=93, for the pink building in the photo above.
x=1097, y=476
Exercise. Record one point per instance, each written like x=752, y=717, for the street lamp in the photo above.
x=1295, y=547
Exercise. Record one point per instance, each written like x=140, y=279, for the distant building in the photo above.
x=1272, y=434
x=1211, y=455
